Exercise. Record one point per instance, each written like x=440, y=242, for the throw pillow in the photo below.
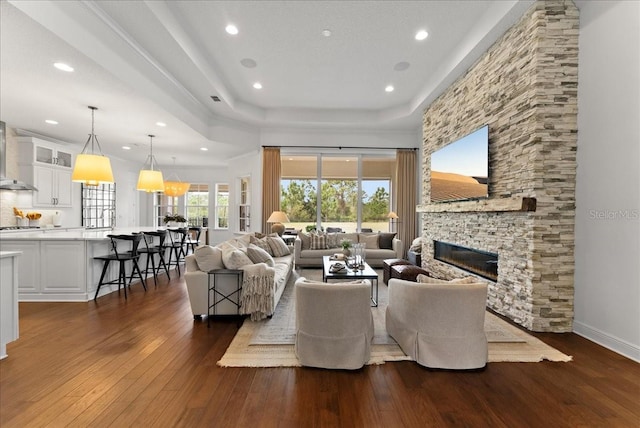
x=262, y=243
x=278, y=247
x=318, y=241
x=235, y=259
x=259, y=255
x=371, y=241
x=385, y=240
x=333, y=240
x=305, y=239
x=208, y=258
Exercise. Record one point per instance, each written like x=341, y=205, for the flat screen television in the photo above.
x=460, y=170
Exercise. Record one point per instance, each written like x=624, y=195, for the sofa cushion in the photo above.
x=371, y=241
x=262, y=243
x=278, y=247
x=353, y=237
x=385, y=240
x=235, y=259
x=333, y=240
x=259, y=255
x=305, y=239
x=318, y=241
x=208, y=258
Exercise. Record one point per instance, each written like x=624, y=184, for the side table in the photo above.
x=214, y=296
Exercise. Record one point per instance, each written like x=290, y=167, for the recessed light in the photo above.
x=257, y=85
x=421, y=35
x=62, y=66
x=401, y=66
x=204, y=149
x=326, y=32
x=389, y=88
x=231, y=29
x=161, y=124
x=126, y=148
x=248, y=62
x=51, y=122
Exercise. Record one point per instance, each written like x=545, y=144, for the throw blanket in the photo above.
x=258, y=290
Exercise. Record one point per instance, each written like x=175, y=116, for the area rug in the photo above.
x=270, y=342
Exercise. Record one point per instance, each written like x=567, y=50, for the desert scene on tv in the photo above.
x=448, y=186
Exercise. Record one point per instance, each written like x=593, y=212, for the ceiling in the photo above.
x=143, y=62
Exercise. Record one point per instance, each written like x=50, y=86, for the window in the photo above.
x=244, y=212
x=222, y=206
x=197, y=200
x=165, y=205
x=355, y=191
x=98, y=205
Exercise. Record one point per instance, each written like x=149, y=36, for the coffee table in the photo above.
x=349, y=274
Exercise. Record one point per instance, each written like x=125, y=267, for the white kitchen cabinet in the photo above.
x=54, y=187
x=36, y=151
x=47, y=166
x=28, y=266
x=8, y=299
x=62, y=267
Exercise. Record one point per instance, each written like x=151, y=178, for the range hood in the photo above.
x=8, y=183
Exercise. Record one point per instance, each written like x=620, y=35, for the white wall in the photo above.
x=607, y=277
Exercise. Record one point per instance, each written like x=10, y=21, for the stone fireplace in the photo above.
x=525, y=88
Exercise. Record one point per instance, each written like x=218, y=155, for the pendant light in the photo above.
x=92, y=168
x=150, y=180
x=175, y=187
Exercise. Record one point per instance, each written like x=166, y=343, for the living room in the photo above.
x=605, y=290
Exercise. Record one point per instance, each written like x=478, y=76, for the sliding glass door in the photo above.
x=355, y=191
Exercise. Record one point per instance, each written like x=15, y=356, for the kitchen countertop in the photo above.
x=76, y=234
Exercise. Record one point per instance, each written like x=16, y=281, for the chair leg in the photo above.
x=122, y=277
x=104, y=271
x=153, y=267
x=162, y=263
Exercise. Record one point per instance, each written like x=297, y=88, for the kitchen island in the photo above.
x=8, y=299
x=58, y=265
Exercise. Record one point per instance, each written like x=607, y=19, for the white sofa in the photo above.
x=439, y=324
x=271, y=281
x=307, y=257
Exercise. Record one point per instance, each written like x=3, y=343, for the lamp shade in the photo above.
x=175, y=188
x=150, y=181
x=392, y=215
x=278, y=217
x=92, y=169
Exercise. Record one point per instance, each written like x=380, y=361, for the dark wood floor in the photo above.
x=145, y=362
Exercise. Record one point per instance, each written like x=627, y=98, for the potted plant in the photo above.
x=346, y=247
x=174, y=220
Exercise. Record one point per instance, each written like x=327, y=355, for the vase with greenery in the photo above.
x=346, y=247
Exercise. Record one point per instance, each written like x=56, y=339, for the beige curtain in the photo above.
x=406, y=196
x=271, y=171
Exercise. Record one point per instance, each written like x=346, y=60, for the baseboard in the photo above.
x=613, y=343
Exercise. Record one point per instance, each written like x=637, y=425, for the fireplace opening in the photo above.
x=478, y=262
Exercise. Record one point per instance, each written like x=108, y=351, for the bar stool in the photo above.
x=151, y=250
x=122, y=256
x=193, y=238
x=177, y=238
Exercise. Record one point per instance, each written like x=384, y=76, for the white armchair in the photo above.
x=439, y=324
x=334, y=324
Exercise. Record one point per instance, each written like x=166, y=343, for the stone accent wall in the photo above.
x=525, y=88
